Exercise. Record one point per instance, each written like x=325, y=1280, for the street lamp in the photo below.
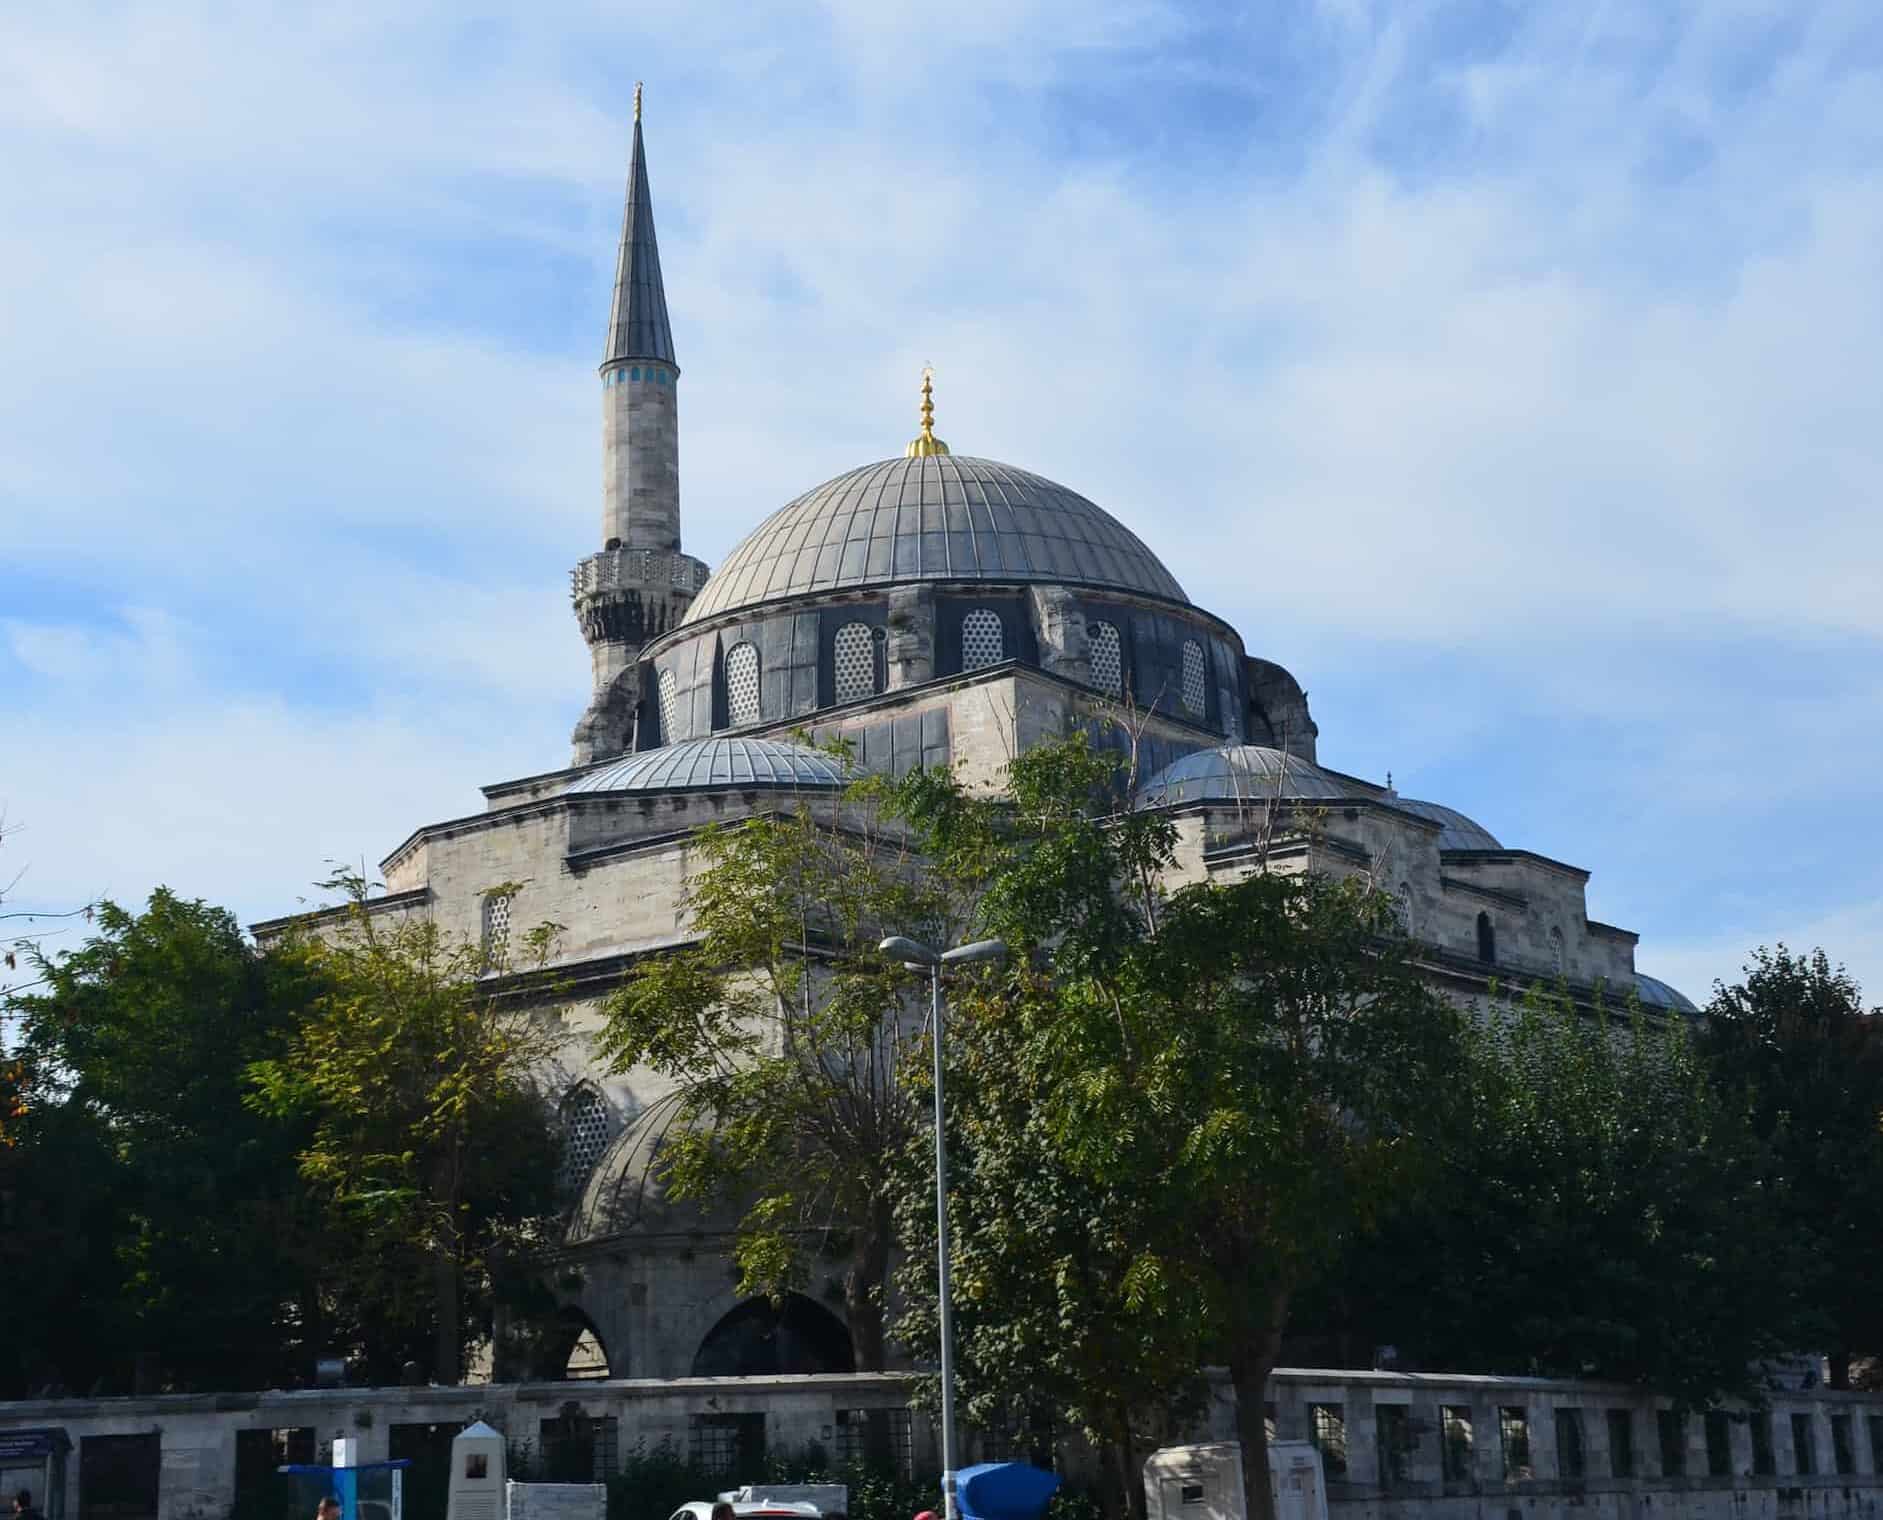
x=915, y=955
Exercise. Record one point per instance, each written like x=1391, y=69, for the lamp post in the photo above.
x=915, y=955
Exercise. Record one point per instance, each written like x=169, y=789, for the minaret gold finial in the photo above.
x=637, y=100
x=926, y=443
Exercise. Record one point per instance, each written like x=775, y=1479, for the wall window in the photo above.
x=1804, y=1447
x=1875, y=1422
x=1393, y=1427
x=875, y=1437
x=1327, y=1429
x=584, y=1118
x=1719, y=1444
x=854, y=658
x=1621, y=1443
x=1843, y=1454
x=1673, y=1433
x=496, y=929
x=1764, y=1459
x=1454, y=1431
x=1557, y=959
x=982, y=640
x=1193, y=682
x=726, y=1444
x=1402, y=904
x=1513, y=1430
x=668, y=690
x=1487, y=940
x=742, y=684
x=1108, y=662
x=1571, y=1460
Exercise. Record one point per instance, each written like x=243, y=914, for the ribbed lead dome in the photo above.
x=941, y=517
x=1456, y=831
x=711, y=765
x=1238, y=772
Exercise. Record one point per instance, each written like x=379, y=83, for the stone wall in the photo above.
x=1538, y=1449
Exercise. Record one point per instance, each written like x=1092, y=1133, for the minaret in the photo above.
x=640, y=583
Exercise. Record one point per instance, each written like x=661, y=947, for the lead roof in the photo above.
x=637, y=321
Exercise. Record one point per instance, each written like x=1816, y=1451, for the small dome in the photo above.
x=717, y=764
x=627, y=1191
x=934, y=517
x=1456, y=832
x=1245, y=772
x=1655, y=993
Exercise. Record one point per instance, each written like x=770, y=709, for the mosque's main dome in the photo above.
x=936, y=517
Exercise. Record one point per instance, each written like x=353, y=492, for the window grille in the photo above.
x=1513, y=1430
x=1327, y=1428
x=855, y=661
x=1621, y=1443
x=1764, y=1459
x=742, y=684
x=577, y=1448
x=1193, y=690
x=1875, y=1423
x=1843, y=1454
x=1402, y=903
x=1454, y=1425
x=1393, y=1426
x=1673, y=1433
x=727, y=1445
x=1804, y=1453
x=496, y=929
x=889, y=1431
x=1487, y=940
x=585, y=1130
x=669, y=707
x=982, y=640
x=1719, y=1448
x=1571, y=1461
x=1108, y=663
x=1556, y=951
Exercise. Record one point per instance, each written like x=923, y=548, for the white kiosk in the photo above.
x=476, y=1491
x=1204, y=1482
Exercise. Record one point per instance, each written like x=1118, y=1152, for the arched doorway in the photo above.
x=759, y=1338
x=572, y=1349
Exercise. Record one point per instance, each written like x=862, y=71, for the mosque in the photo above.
x=933, y=608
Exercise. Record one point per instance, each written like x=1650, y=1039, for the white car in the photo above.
x=770, y=1509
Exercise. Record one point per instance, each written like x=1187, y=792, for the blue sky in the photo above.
x=1508, y=372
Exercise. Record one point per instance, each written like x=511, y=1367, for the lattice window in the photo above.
x=1394, y=1441
x=1454, y=1428
x=1108, y=662
x=982, y=641
x=1327, y=1428
x=727, y=1445
x=855, y=660
x=1402, y=905
x=669, y=690
x=496, y=938
x=1513, y=1429
x=742, y=684
x=867, y=1437
x=585, y=1129
x=1556, y=951
x=1193, y=683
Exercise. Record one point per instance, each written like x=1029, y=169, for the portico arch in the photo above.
x=759, y=1338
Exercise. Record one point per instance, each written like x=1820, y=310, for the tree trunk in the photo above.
x=1133, y=1473
x=1249, y=1367
x=448, y=1349
x=863, y=1291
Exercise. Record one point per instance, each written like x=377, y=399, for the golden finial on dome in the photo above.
x=926, y=443
x=637, y=100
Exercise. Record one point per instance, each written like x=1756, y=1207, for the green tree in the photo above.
x=1794, y=1043
x=133, y=1047
x=1596, y=1210
x=428, y=1138
x=1251, y=1063
x=788, y=1040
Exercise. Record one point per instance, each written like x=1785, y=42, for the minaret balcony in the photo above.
x=646, y=571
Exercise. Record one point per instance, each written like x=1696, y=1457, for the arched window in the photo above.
x=496, y=927
x=982, y=641
x=585, y=1128
x=742, y=684
x=763, y=1339
x=669, y=691
x=1193, y=691
x=1557, y=961
x=1487, y=940
x=855, y=659
x=1108, y=663
x=1402, y=905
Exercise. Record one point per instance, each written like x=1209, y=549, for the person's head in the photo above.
x=927, y=1514
x=328, y=1508
x=722, y=1511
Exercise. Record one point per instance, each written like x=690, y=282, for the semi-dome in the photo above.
x=933, y=517
x=1456, y=831
x=703, y=765
x=1655, y=993
x=1238, y=772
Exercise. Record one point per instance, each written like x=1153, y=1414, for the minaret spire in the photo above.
x=640, y=583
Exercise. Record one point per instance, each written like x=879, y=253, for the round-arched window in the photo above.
x=1194, y=701
x=585, y=1128
x=742, y=684
x=982, y=641
x=1108, y=666
x=855, y=659
x=668, y=690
